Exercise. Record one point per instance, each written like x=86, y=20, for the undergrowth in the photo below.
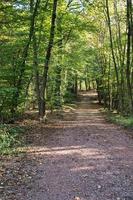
x=125, y=121
x=10, y=139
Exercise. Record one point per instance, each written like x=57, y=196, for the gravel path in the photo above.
x=81, y=157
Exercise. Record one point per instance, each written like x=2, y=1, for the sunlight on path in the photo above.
x=79, y=157
x=84, y=158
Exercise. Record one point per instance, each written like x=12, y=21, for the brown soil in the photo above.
x=78, y=157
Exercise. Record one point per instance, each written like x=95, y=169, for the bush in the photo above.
x=9, y=138
x=126, y=121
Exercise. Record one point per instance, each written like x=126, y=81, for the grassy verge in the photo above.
x=125, y=121
x=10, y=139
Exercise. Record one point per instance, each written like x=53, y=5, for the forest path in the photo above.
x=81, y=157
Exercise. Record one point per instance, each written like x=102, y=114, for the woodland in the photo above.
x=66, y=78
x=50, y=49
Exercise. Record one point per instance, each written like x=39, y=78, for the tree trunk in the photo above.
x=112, y=46
x=24, y=57
x=129, y=40
x=47, y=60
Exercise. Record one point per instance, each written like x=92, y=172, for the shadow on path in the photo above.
x=81, y=157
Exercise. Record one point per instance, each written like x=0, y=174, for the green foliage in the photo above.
x=81, y=54
x=126, y=121
x=6, y=97
x=69, y=97
x=10, y=139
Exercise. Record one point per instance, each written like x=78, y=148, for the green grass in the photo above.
x=10, y=139
x=125, y=121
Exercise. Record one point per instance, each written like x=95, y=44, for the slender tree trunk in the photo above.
x=98, y=84
x=129, y=43
x=58, y=67
x=76, y=84
x=121, y=56
x=36, y=45
x=36, y=72
x=47, y=60
x=112, y=46
x=24, y=57
x=86, y=84
x=80, y=85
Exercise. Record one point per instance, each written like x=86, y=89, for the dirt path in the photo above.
x=81, y=157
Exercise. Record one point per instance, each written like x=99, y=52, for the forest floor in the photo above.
x=80, y=156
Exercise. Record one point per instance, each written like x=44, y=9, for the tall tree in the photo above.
x=46, y=64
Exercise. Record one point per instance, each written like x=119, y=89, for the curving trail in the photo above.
x=81, y=157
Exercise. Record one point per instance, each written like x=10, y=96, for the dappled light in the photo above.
x=82, y=157
x=66, y=100
x=79, y=156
